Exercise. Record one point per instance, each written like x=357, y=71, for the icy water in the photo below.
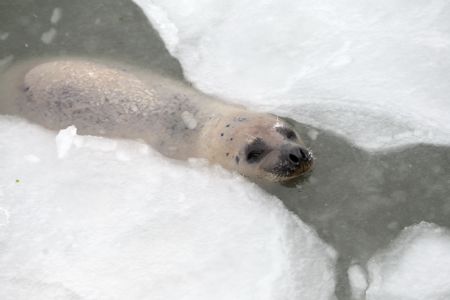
x=114, y=29
x=358, y=201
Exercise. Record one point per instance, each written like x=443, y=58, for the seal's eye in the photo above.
x=255, y=150
x=287, y=133
x=254, y=155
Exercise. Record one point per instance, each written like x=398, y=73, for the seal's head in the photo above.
x=260, y=146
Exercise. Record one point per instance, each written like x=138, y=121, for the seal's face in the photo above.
x=277, y=155
x=263, y=146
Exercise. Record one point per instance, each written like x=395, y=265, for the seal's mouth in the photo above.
x=290, y=167
x=283, y=173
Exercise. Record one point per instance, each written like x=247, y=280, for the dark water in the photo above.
x=357, y=201
x=115, y=29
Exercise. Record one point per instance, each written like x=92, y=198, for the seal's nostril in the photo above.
x=293, y=158
x=304, y=154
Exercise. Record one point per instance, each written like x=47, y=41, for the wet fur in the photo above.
x=123, y=102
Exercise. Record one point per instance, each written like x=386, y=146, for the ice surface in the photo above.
x=416, y=266
x=48, y=36
x=358, y=281
x=111, y=219
x=4, y=36
x=56, y=15
x=189, y=120
x=374, y=71
x=64, y=140
x=4, y=217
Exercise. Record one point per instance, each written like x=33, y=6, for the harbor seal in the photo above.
x=172, y=117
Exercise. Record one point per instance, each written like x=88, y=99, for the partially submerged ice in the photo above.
x=416, y=266
x=374, y=71
x=93, y=218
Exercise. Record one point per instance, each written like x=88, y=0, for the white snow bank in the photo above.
x=416, y=266
x=374, y=71
x=121, y=222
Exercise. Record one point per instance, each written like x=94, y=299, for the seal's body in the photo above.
x=175, y=119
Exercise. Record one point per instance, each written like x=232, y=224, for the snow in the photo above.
x=189, y=120
x=56, y=15
x=374, y=71
x=32, y=158
x=48, y=36
x=68, y=138
x=64, y=140
x=358, y=281
x=415, y=266
x=112, y=219
x=4, y=217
